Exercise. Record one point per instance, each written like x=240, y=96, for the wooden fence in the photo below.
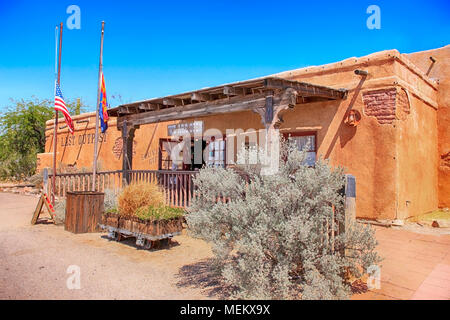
x=179, y=190
x=178, y=186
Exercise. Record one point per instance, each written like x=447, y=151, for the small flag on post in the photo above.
x=103, y=107
x=60, y=105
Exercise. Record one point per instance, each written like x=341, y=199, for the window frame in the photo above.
x=303, y=134
x=162, y=140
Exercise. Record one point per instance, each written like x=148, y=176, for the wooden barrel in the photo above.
x=84, y=210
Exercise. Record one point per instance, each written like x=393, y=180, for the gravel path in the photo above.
x=34, y=262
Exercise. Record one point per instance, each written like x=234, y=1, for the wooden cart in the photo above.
x=148, y=234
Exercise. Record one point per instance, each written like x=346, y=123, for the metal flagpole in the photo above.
x=55, y=124
x=100, y=74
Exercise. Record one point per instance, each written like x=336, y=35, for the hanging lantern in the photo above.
x=353, y=118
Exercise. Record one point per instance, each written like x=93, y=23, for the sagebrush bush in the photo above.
x=158, y=213
x=137, y=195
x=270, y=240
x=60, y=211
x=110, y=200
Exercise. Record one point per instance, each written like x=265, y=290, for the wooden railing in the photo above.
x=178, y=186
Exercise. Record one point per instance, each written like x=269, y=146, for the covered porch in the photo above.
x=267, y=98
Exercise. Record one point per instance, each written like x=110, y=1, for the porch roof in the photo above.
x=306, y=92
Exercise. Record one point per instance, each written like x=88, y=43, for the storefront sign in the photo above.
x=85, y=138
x=194, y=128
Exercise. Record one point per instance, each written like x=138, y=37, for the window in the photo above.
x=172, y=154
x=176, y=155
x=216, y=153
x=305, y=141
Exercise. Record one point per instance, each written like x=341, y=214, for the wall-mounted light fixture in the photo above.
x=353, y=118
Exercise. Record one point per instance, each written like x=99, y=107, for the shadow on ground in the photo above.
x=199, y=275
x=131, y=242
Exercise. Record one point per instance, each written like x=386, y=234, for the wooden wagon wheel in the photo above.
x=148, y=244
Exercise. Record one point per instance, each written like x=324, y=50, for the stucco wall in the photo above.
x=440, y=70
x=392, y=152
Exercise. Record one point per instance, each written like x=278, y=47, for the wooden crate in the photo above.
x=84, y=211
x=138, y=226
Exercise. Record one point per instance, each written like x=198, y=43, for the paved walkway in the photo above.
x=416, y=264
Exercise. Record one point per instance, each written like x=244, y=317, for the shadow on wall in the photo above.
x=345, y=132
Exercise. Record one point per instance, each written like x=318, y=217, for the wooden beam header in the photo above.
x=221, y=95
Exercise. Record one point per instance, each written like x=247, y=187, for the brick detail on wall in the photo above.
x=381, y=104
x=118, y=147
x=445, y=160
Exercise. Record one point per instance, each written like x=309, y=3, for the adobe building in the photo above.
x=384, y=117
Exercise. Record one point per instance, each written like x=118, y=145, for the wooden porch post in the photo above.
x=271, y=118
x=127, y=151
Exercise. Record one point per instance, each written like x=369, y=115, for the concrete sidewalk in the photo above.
x=416, y=264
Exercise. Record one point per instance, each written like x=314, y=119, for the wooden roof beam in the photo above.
x=233, y=91
x=172, y=102
x=147, y=107
x=200, y=97
x=125, y=110
x=233, y=104
x=305, y=89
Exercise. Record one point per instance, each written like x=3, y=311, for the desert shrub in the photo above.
x=137, y=195
x=158, y=213
x=270, y=240
x=110, y=200
x=22, y=135
x=60, y=211
x=37, y=179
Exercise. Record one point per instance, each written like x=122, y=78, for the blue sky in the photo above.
x=165, y=47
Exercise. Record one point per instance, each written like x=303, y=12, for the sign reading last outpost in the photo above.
x=85, y=138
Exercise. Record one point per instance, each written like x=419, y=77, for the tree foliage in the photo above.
x=271, y=237
x=22, y=135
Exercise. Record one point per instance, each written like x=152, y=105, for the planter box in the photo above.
x=110, y=219
x=157, y=228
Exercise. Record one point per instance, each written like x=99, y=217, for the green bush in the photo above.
x=158, y=213
x=60, y=211
x=22, y=135
x=110, y=201
x=269, y=238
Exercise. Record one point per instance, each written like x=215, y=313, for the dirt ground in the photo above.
x=34, y=262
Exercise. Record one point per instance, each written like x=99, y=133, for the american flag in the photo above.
x=60, y=105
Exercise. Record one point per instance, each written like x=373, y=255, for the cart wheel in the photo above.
x=148, y=244
x=156, y=244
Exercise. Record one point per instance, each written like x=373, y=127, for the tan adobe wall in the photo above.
x=388, y=152
x=440, y=70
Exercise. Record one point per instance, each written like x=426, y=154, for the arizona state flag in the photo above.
x=103, y=107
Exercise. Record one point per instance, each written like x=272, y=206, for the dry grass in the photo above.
x=139, y=195
x=435, y=215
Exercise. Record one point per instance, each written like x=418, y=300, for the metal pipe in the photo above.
x=55, y=124
x=361, y=72
x=100, y=75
